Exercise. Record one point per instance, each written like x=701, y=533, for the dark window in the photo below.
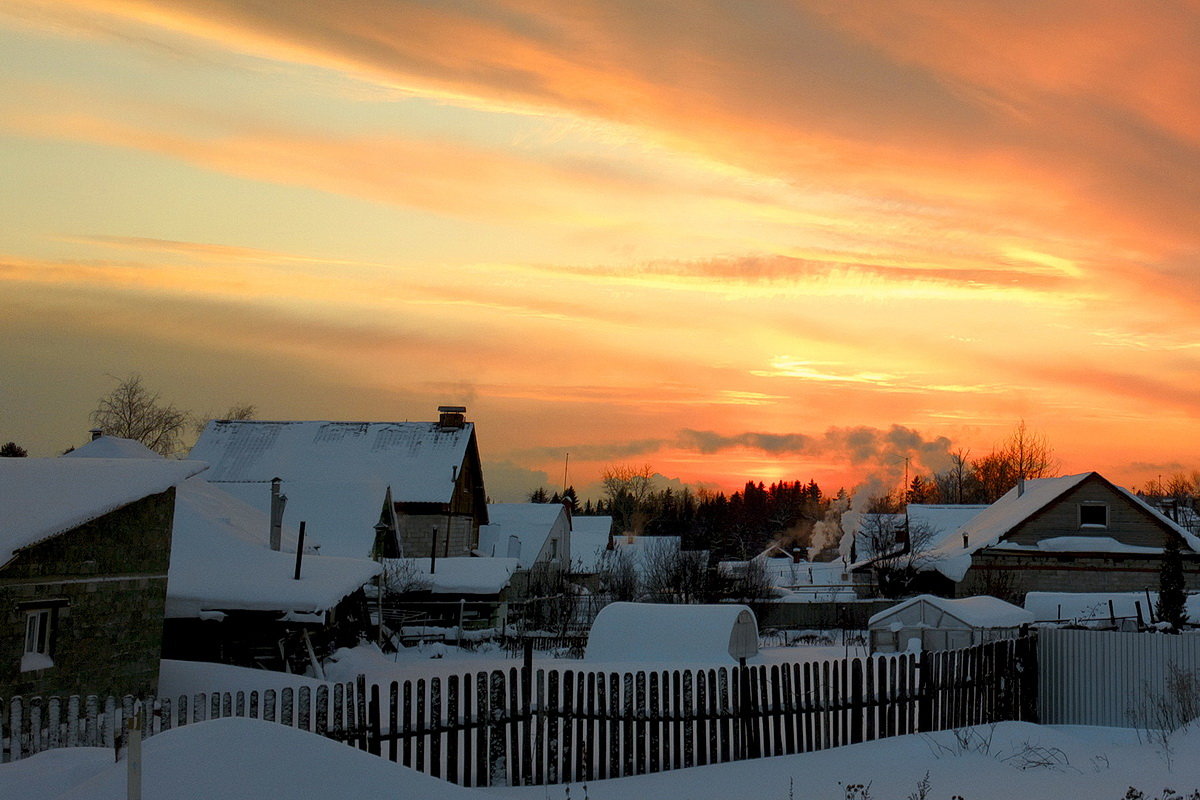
x=1094, y=515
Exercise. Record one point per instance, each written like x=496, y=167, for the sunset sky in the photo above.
x=731, y=240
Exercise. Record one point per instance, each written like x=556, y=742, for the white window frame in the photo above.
x=1093, y=525
x=39, y=638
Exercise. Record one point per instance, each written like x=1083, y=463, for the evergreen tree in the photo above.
x=1172, y=596
x=13, y=450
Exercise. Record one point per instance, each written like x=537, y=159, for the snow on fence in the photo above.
x=532, y=727
x=1107, y=677
x=29, y=726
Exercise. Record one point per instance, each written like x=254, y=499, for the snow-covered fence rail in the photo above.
x=532, y=727
x=31, y=725
x=1108, y=677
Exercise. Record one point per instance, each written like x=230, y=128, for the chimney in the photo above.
x=1020, y=485
x=278, y=501
x=797, y=555
x=452, y=418
x=96, y=433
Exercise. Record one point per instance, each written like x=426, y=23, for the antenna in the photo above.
x=566, y=464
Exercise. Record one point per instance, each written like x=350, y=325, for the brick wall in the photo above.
x=1068, y=573
x=111, y=572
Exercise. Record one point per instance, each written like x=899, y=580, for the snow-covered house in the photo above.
x=230, y=597
x=532, y=533
x=796, y=579
x=927, y=622
x=84, y=552
x=336, y=476
x=1073, y=533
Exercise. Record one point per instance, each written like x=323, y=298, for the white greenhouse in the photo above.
x=926, y=622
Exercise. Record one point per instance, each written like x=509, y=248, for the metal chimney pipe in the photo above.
x=278, y=501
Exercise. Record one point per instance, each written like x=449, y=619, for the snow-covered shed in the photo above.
x=336, y=476
x=529, y=532
x=656, y=633
x=936, y=623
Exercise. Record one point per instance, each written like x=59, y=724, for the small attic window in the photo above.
x=1093, y=515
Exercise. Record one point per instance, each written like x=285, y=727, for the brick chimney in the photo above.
x=452, y=418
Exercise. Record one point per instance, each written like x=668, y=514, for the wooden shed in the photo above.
x=652, y=632
x=927, y=622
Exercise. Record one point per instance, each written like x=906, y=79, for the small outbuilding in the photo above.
x=927, y=622
x=652, y=632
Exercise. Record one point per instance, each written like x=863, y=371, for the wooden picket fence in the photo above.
x=546, y=726
x=533, y=727
x=29, y=726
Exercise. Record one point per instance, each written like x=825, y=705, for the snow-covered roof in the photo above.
x=335, y=474
x=587, y=550
x=463, y=575
x=599, y=526
x=531, y=523
x=220, y=561
x=112, y=447
x=976, y=612
x=952, y=559
x=648, y=632
x=44, y=497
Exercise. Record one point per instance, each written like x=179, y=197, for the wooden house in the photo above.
x=84, y=553
x=1076, y=533
x=232, y=598
x=336, y=475
x=532, y=533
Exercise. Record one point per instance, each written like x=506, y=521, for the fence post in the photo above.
x=1027, y=666
x=373, y=726
x=925, y=693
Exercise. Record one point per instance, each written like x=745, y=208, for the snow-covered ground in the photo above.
x=241, y=759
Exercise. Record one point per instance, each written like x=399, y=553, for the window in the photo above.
x=38, y=638
x=1093, y=515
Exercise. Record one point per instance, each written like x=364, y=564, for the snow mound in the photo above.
x=244, y=759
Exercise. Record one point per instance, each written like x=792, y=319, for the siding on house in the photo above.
x=1074, y=572
x=110, y=576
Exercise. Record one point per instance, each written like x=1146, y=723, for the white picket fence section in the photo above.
x=31, y=725
x=1105, y=677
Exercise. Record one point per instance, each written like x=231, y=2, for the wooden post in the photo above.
x=133, y=757
x=925, y=693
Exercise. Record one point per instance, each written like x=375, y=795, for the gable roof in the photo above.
x=418, y=460
x=998, y=520
x=531, y=523
x=336, y=474
x=44, y=497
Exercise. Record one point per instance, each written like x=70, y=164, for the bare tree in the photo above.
x=618, y=575
x=898, y=551
x=131, y=411
x=628, y=490
x=675, y=575
x=1025, y=454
